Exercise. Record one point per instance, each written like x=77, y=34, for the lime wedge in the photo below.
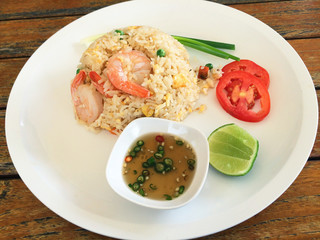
x=232, y=150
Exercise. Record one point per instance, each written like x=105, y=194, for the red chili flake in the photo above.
x=159, y=138
x=128, y=159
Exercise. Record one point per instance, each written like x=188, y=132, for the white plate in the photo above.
x=63, y=163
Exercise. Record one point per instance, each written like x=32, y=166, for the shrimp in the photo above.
x=126, y=70
x=101, y=83
x=88, y=103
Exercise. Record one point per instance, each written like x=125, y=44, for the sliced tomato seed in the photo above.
x=234, y=93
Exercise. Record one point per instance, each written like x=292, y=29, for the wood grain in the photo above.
x=45, y=8
x=29, y=34
x=294, y=19
x=6, y=165
x=9, y=69
x=295, y=215
x=315, y=153
x=25, y=25
x=309, y=51
x=22, y=216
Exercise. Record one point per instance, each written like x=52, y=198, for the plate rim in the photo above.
x=11, y=132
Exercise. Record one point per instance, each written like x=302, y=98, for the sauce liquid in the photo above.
x=166, y=183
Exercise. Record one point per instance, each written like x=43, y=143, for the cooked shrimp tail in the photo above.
x=100, y=84
x=77, y=81
x=88, y=103
x=128, y=87
x=96, y=81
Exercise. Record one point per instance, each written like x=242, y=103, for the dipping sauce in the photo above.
x=159, y=166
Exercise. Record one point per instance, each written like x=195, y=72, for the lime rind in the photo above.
x=233, y=166
x=233, y=150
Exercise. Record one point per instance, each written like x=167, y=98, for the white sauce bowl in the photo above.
x=140, y=127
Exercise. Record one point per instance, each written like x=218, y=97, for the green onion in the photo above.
x=191, y=162
x=168, y=162
x=140, y=143
x=153, y=187
x=210, y=50
x=158, y=155
x=145, y=173
x=179, y=142
x=205, y=48
x=142, y=193
x=209, y=65
x=211, y=43
x=161, y=152
x=120, y=32
x=135, y=187
x=168, y=197
x=141, y=179
x=151, y=161
x=137, y=149
x=133, y=154
x=181, y=189
x=159, y=167
x=160, y=148
x=145, y=164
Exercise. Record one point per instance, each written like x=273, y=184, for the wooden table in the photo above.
x=25, y=25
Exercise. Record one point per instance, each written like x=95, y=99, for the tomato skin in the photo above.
x=250, y=67
x=242, y=109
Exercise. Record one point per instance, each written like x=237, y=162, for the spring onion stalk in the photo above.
x=211, y=43
x=205, y=48
x=88, y=40
x=210, y=50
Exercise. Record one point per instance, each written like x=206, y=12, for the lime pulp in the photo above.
x=233, y=150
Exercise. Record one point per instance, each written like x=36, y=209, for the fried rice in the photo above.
x=173, y=84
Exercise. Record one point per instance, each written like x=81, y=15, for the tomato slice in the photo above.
x=239, y=92
x=250, y=67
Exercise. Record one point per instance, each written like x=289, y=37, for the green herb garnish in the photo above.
x=208, y=46
x=211, y=43
x=168, y=197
